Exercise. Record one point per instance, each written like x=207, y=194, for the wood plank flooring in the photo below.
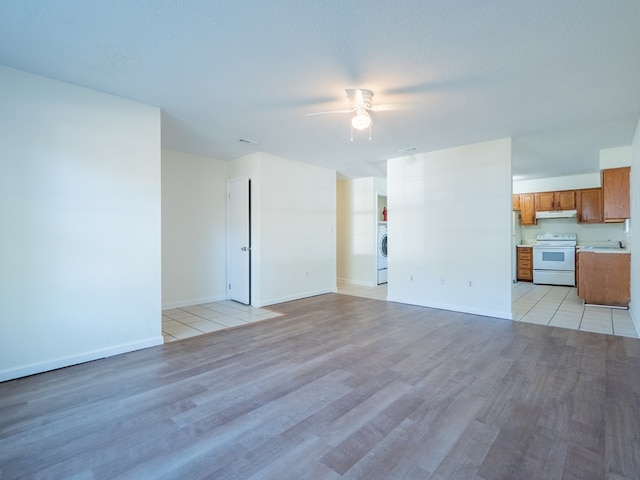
x=338, y=387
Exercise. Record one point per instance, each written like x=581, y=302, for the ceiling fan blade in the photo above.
x=394, y=106
x=330, y=112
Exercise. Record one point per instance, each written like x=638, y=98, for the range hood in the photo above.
x=557, y=214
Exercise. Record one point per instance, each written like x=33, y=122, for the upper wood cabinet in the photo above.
x=548, y=201
x=515, y=202
x=527, y=209
x=544, y=201
x=594, y=205
x=565, y=200
x=589, y=205
x=615, y=194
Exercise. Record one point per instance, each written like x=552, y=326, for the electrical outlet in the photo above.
x=470, y=283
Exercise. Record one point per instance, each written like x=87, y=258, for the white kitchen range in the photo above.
x=554, y=259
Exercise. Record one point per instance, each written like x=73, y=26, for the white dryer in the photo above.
x=382, y=254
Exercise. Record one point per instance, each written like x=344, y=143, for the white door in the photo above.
x=239, y=240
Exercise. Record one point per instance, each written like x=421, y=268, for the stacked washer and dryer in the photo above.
x=382, y=253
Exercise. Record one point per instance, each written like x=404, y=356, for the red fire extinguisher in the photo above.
x=384, y=214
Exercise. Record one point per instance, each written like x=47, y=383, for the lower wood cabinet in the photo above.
x=604, y=278
x=525, y=264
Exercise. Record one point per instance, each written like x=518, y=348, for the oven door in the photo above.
x=554, y=265
x=554, y=258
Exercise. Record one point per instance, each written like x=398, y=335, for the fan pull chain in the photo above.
x=352, y=133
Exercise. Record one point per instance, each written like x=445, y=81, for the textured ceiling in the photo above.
x=560, y=77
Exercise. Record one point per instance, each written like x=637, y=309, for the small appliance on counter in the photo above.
x=554, y=259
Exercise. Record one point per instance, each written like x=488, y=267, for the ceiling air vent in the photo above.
x=248, y=142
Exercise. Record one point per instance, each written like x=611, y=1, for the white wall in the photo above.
x=380, y=187
x=450, y=224
x=357, y=231
x=80, y=208
x=634, y=234
x=193, y=229
x=615, y=157
x=293, y=228
x=298, y=230
x=568, y=182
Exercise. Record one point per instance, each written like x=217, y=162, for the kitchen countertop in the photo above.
x=598, y=248
x=602, y=249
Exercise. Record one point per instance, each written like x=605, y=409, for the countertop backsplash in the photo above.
x=588, y=234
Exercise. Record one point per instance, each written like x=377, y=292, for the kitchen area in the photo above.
x=577, y=237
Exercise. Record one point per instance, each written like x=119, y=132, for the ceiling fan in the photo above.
x=361, y=103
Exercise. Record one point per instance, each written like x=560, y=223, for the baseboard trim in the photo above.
x=453, y=308
x=45, y=366
x=357, y=283
x=193, y=301
x=289, y=298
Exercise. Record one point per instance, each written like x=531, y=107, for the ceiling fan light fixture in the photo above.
x=361, y=120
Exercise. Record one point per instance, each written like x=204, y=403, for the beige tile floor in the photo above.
x=542, y=304
x=184, y=322
x=378, y=292
x=561, y=307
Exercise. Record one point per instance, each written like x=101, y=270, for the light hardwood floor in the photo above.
x=338, y=387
